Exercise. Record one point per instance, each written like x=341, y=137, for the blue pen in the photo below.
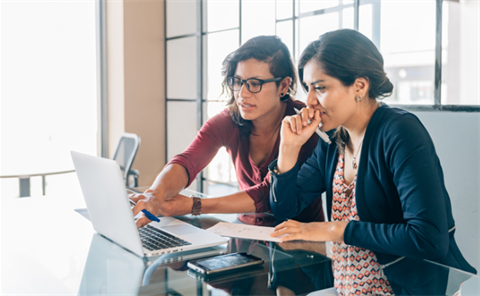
x=146, y=213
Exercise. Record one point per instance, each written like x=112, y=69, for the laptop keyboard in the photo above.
x=156, y=239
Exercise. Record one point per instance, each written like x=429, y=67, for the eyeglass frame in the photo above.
x=244, y=82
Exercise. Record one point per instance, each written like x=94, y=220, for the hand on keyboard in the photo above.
x=144, y=201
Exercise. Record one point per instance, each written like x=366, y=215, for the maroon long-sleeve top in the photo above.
x=220, y=131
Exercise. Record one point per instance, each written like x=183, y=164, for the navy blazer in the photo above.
x=402, y=202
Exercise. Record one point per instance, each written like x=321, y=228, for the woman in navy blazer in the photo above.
x=387, y=203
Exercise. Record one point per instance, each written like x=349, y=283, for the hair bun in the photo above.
x=385, y=89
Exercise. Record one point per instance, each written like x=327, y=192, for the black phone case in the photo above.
x=237, y=262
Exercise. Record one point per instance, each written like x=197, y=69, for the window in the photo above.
x=300, y=22
x=413, y=41
x=49, y=91
x=216, y=34
x=460, y=53
x=430, y=51
x=408, y=47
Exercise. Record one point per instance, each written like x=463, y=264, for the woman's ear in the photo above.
x=284, y=85
x=361, y=86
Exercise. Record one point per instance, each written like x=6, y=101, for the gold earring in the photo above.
x=358, y=98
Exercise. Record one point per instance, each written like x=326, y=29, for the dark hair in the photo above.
x=347, y=55
x=268, y=49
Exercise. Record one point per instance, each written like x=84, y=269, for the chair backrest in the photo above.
x=125, y=153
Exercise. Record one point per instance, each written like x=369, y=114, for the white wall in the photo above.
x=457, y=140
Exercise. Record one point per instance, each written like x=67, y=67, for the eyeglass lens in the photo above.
x=253, y=85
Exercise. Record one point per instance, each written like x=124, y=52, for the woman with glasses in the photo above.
x=386, y=197
x=260, y=80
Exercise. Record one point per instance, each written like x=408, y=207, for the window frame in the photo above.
x=437, y=106
x=199, y=99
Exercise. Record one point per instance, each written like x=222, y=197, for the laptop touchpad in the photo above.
x=181, y=229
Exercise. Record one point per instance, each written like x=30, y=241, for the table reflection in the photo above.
x=292, y=268
x=52, y=250
x=110, y=270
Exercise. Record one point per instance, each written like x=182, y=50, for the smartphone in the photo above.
x=221, y=277
x=224, y=263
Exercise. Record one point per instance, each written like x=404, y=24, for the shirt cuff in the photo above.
x=274, y=174
x=259, y=195
x=348, y=233
x=187, y=164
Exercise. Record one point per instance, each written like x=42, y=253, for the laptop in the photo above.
x=111, y=215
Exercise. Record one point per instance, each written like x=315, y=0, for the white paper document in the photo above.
x=244, y=231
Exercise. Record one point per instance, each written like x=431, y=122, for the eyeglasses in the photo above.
x=254, y=85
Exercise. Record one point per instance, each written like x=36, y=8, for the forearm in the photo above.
x=287, y=157
x=313, y=231
x=181, y=205
x=295, y=132
x=413, y=239
x=239, y=202
x=171, y=180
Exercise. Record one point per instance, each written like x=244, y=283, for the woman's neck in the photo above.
x=360, y=121
x=270, y=122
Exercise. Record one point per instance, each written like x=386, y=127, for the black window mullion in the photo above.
x=439, y=108
x=165, y=76
x=340, y=18
x=181, y=100
x=438, y=54
x=181, y=36
x=276, y=20
x=102, y=76
x=239, y=22
x=356, y=10
x=221, y=183
x=338, y=8
x=376, y=22
x=220, y=31
x=294, y=45
x=200, y=79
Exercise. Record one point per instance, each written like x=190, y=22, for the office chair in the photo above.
x=125, y=155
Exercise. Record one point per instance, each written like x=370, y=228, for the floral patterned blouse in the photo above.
x=356, y=270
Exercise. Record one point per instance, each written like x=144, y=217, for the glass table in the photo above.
x=49, y=248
